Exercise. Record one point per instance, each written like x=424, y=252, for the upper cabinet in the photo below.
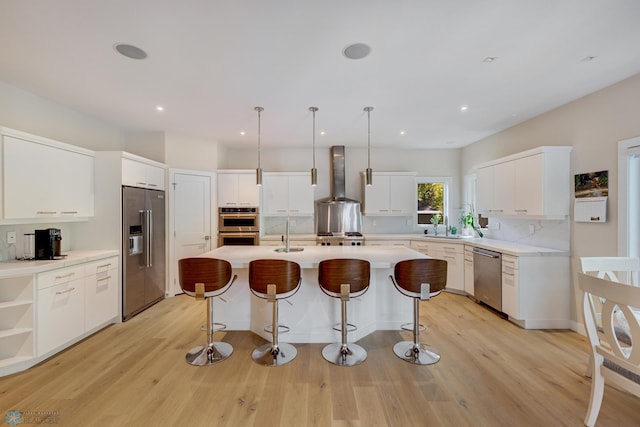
x=143, y=173
x=392, y=193
x=44, y=179
x=238, y=189
x=535, y=183
x=287, y=193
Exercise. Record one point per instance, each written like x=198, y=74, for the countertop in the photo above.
x=13, y=268
x=310, y=257
x=505, y=247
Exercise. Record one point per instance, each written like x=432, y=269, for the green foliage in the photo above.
x=431, y=197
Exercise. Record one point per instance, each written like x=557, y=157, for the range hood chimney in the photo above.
x=337, y=213
x=338, y=186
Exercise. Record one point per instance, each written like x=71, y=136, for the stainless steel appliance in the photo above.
x=487, y=277
x=346, y=239
x=238, y=226
x=48, y=243
x=143, y=252
x=337, y=215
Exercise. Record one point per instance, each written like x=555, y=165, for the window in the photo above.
x=433, y=198
x=629, y=197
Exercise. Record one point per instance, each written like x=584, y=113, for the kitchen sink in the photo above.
x=450, y=236
x=290, y=250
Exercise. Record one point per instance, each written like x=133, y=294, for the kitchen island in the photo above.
x=311, y=314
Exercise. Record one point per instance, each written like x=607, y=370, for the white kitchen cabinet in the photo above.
x=60, y=307
x=534, y=184
x=468, y=270
x=44, y=179
x=16, y=320
x=143, y=173
x=536, y=291
x=238, y=189
x=101, y=292
x=453, y=253
x=392, y=193
x=287, y=194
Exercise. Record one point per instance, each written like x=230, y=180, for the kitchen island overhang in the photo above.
x=310, y=314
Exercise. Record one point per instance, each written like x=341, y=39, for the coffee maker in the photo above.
x=48, y=243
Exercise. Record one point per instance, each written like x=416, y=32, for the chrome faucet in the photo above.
x=287, y=232
x=446, y=225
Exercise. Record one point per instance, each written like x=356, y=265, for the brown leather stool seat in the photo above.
x=419, y=279
x=344, y=278
x=206, y=278
x=273, y=280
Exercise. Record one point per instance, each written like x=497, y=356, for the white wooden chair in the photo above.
x=613, y=360
x=616, y=269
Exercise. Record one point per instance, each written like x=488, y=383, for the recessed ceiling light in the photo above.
x=464, y=108
x=159, y=108
x=490, y=59
x=588, y=58
x=322, y=132
x=402, y=132
x=242, y=132
x=130, y=51
x=356, y=51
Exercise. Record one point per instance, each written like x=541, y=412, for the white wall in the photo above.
x=593, y=125
x=150, y=145
x=183, y=152
x=25, y=111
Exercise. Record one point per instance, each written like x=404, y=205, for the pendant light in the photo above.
x=368, y=173
x=259, y=169
x=314, y=171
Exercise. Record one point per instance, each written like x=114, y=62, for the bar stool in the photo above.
x=344, y=278
x=273, y=280
x=419, y=279
x=206, y=278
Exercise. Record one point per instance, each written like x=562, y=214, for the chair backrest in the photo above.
x=282, y=273
x=620, y=308
x=616, y=269
x=410, y=274
x=214, y=273
x=335, y=272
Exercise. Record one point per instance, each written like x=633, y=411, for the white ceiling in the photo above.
x=211, y=62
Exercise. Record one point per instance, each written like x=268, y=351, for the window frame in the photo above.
x=446, y=209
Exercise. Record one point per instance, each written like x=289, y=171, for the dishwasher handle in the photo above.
x=486, y=253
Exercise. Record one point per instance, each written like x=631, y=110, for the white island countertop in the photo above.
x=310, y=256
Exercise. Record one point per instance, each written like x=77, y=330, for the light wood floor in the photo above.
x=492, y=373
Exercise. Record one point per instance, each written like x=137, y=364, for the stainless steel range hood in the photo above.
x=338, y=214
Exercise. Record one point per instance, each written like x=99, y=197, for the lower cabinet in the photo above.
x=453, y=253
x=405, y=243
x=468, y=270
x=60, y=311
x=72, y=301
x=101, y=292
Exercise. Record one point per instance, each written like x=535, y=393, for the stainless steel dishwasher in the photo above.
x=487, y=277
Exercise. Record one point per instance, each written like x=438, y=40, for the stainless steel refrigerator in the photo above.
x=143, y=251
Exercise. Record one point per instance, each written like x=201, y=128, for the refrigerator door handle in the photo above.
x=150, y=238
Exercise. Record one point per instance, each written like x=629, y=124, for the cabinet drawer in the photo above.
x=59, y=276
x=509, y=264
x=101, y=266
x=404, y=243
x=420, y=246
x=101, y=298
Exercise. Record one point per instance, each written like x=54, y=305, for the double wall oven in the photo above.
x=238, y=226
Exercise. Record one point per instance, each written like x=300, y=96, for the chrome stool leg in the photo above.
x=274, y=353
x=413, y=351
x=213, y=352
x=344, y=354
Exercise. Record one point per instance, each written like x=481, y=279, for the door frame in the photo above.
x=174, y=286
x=624, y=222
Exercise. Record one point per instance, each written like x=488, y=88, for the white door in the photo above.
x=191, y=219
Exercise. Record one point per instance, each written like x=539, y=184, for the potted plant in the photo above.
x=468, y=222
x=435, y=220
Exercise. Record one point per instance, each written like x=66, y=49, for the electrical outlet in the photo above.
x=532, y=229
x=11, y=237
x=374, y=222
